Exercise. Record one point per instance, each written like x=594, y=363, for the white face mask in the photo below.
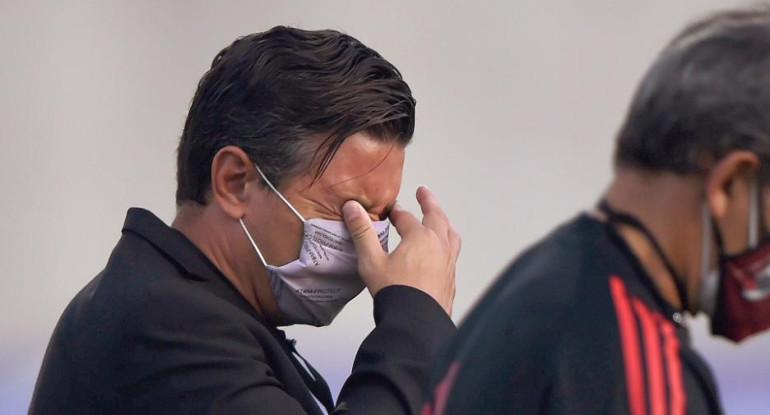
x=314, y=288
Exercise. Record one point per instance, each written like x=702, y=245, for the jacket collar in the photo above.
x=177, y=248
x=180, y=250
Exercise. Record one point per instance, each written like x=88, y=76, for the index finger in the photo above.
x=433, y=215
x=402, y=220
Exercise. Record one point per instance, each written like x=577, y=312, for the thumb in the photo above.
x=362, y=231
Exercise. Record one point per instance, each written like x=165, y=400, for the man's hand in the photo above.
x=425, y=259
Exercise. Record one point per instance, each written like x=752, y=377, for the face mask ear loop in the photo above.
x=254, y=244
x=754, y=213
x=709, y=282
x=270, y=185
x=705, y=260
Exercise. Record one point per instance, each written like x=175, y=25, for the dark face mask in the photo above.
x=737, y=297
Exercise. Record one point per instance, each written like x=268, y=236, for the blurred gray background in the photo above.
x=518, y=104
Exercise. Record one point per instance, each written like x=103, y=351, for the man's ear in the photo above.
x=728, y=182
x=231, y=174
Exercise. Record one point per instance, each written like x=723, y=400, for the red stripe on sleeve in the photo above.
x=653, y=358
x=678, y=400
x=441, y=393
x=630, y=342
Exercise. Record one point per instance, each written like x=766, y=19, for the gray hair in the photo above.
x=708, y=93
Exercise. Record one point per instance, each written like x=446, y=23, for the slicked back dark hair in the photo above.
x=707, y=94
x=289, y=98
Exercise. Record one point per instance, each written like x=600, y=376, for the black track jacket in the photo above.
x=574, y=326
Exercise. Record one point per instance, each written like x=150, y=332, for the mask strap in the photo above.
x=254, y=244
x=705, y=260
x=270, y=185
x=709, y=281
x=754, y=214
x=624, y=218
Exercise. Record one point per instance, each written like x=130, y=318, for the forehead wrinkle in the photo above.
x=365, y=173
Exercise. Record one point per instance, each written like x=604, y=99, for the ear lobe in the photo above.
x=231, y=171
x=723, y=177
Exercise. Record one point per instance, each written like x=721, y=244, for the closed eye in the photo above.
x=382, y=215
x=386, y=212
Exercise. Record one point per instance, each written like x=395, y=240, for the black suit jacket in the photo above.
x=161, y=330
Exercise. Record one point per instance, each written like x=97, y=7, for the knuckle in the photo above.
x=360, y=231
x=432, y=237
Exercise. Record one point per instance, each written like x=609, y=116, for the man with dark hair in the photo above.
x=289, y=133
x=590, y=319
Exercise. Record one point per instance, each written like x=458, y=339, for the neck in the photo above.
x=668, y=205
x=217, y=237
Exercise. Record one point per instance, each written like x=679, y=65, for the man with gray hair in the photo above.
x=590, y=320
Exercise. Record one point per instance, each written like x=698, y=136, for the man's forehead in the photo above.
x=364, y=169
x=360, y=155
